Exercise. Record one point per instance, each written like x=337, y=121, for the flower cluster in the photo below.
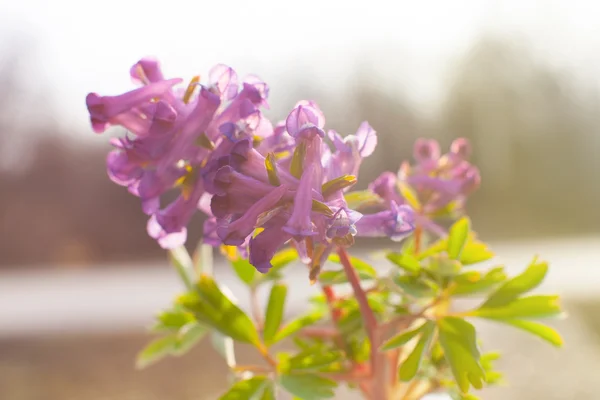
x=439, y=184
x=260, y=185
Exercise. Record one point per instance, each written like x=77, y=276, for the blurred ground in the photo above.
x=101, y=367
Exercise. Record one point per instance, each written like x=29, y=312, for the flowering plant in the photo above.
x=280, y=196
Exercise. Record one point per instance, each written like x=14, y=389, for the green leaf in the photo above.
x=362, y=199
x=244, y=270
x=405, y=261
x=540, y=330
x=475, y=252
x=274, y=313
x=188, y=336
x=268, y=393
x=360, y=349
x=409, y=195
x=523, y=283
x=295, y=325
x=212, y=307
x=156, y=350
x=297, y=164
x=538, y=306
x=271, y=166
x=314, y=358
x=457, y=237
x=402, y=338
x=308, y=386
x=415, y=286
x=172, y=320
x=364, y=269
x=473, y=282
x=408, y=246
x=351, y=321
x=487, y=363
x=176, y=343
x=410, y=366
x=458, y=340
x=336, y=277
x=248, y=389
x=443, y=266
x=435, y=248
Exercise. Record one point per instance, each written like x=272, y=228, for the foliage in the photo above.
x=429, y=345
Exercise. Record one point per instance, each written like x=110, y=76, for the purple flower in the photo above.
x=278, y=142
x=236, y=232
x=438, y=181
x=129, y=109
x=285, y=199
x=386, y=187
x=173, y=134
x=397, y=222
x=169, y=225
x=263, y=246
x=350, y=150
x=300, y=223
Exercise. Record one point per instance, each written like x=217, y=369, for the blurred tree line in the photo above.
x=535, y=136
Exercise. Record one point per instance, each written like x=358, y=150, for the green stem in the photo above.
x=182, y=262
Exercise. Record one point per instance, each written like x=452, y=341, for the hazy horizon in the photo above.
x=418, y=44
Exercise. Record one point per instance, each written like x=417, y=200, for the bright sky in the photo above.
x=89, y=46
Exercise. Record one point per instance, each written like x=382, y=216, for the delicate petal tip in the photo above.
x=166, y=240
x=426, y=149
x=304, y=120
x=260, y=90
x=367, y=139
x=146, y=71
x=225, y=80
x=461, y=148
x=93, y=101
x=336, y=139
x=316, y=110
x=472, y=180
x=385, y=186
x=104, y=110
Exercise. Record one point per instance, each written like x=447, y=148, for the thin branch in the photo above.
x=418, y=233
x=378, y=384
x=264, y=352
x=313, y=332
x=252, y=368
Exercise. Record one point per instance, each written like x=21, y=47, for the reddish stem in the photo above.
x=378, y=384
x=336, y=313
x=394, y=358
x=418, y=232
x=319, y=332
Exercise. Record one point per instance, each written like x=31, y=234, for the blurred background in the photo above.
x=79, y=278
